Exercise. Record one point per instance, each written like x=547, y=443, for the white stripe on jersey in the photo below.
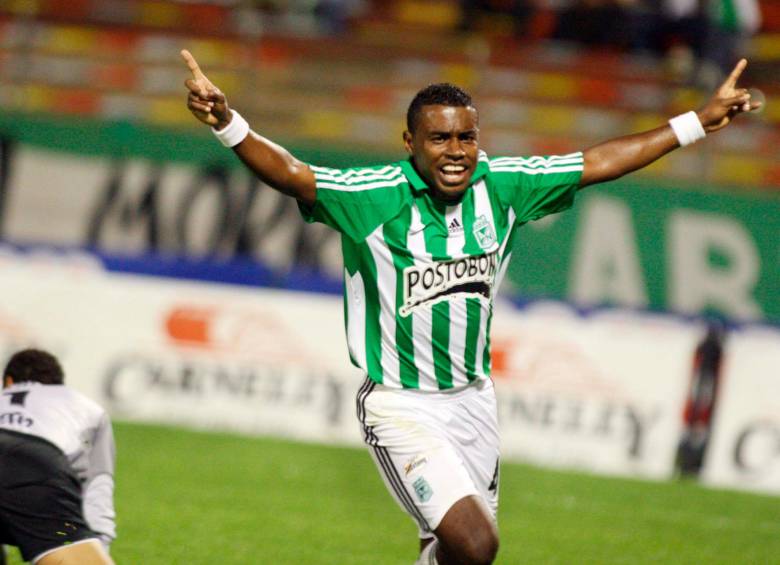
x=344, y=175
x=321, y=176
x=544, y=171
x=539, y=159
x=456, y=241
x=360, y=187
x=456, y=238
x=422, y=318
x=356, y=318
x=538, y=165
x=386, y=283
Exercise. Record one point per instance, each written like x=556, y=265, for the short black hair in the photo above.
x=34, y=365
x=443, y=93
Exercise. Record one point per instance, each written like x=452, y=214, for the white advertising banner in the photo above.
x=257, y=361
x=745, y=448
x=602, y=392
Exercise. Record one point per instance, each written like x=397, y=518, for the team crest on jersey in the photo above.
x=484, y=233
x=422, y=489
x=427, y=284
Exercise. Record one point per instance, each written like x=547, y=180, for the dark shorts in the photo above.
x=40, y=496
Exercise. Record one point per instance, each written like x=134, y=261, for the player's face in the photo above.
x=444, y=147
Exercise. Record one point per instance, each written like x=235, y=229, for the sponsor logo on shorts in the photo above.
x=428, y=284
x=415, y=462
x=422, y=489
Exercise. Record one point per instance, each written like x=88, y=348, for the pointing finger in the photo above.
x=193, y=65
x=735, y=74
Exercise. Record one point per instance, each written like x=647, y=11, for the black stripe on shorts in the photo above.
x=398, y=486
x=368, y=386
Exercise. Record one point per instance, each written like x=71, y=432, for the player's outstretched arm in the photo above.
x=272, y=163
x=617, y=157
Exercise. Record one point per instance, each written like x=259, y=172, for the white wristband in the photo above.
x=233, y=133
x=687, y=128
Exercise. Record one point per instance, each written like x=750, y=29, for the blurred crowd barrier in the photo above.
x=164, y=212
x=341, y=74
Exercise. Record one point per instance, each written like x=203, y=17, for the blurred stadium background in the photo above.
x=179, y=291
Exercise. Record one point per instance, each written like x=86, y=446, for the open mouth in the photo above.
x=453, y=174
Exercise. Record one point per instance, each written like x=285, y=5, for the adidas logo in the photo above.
x=455, y=226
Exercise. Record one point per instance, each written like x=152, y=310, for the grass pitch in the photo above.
x=192, y=498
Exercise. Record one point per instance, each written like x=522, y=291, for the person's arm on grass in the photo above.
x=98, y=489
x=272, y=163
x=617, y=157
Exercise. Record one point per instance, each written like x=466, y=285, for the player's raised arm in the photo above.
x=272, y=163
x=617, y=157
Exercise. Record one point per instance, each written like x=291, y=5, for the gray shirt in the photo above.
x=81, y=429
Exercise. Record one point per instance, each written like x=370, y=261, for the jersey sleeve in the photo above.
x=538, y=186
x=98, y=488
x=355, y=201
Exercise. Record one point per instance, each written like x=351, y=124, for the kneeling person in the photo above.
x=57, y=471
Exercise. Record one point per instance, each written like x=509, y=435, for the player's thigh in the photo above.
x=475, y=436
x=87, y=552
x=425, y=483
x=419, y=464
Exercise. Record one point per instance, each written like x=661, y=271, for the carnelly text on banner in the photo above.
x=603, y=392
x=256, y=361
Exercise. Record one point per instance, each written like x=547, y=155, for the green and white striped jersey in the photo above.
x=420, y=274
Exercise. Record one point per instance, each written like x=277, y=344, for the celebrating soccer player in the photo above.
x=425, y=244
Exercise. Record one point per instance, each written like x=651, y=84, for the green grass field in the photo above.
x=191, y=498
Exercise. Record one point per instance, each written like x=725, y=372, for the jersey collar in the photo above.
x=418, y=184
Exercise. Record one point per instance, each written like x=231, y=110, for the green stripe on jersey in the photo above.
x=474, y=314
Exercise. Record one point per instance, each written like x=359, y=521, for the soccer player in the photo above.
x=425, y=243
x=57, y=470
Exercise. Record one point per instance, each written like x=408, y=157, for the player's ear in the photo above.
x=408, y=142
x=7, y=381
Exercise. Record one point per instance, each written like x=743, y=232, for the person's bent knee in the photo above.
x=467, y=534
x=87, y=552
x=480, y=548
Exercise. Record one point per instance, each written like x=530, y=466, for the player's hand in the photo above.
x=205, y=101
x=727, y=102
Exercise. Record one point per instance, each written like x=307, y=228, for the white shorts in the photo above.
x=433, y=448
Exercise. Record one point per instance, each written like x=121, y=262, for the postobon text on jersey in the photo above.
x=433, y=282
